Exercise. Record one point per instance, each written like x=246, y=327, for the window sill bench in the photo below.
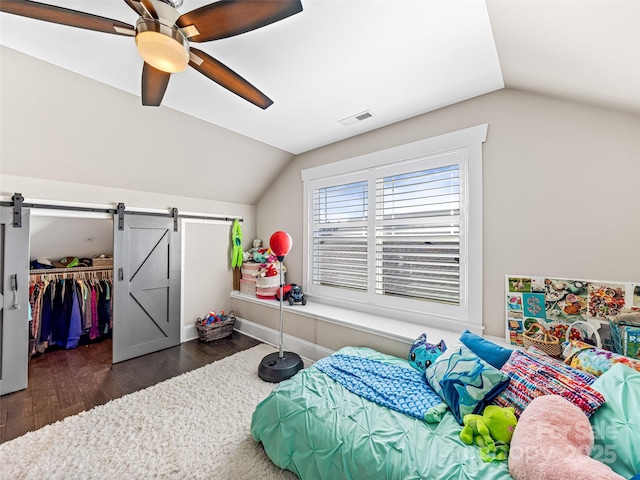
x=402, y=331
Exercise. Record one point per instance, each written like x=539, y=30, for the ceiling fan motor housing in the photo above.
x=161, y=45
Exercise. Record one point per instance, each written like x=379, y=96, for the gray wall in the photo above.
x=560, y=181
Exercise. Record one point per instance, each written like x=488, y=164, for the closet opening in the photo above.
x=70, y=281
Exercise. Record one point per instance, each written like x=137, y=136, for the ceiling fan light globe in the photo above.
x=162, y=47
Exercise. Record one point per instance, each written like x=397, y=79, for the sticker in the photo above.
x=514, y=302
x=605, y=299
x=519, y=284
x=534, y=305
x=537, y=285
x=515, y=325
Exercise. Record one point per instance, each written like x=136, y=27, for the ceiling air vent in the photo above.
x=357, y=117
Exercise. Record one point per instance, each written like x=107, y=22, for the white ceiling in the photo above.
x=396, y=58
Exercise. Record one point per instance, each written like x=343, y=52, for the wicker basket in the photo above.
x=539, y=337
x=214, y=331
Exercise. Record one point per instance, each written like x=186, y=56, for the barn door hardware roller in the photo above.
x=18, y=199
x=120, y=213
x=174, y=214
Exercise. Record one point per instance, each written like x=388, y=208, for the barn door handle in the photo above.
x=14, y=287
x=120, y=274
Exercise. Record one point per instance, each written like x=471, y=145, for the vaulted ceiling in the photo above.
x=392, y=58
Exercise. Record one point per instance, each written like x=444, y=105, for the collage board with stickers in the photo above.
x=556, y=303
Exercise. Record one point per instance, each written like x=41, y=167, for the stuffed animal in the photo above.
x=422, y=353
x=267, y=270
x=553, y=441
x=491, y=431
x=256, y=248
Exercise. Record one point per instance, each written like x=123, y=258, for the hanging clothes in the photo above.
x=67, y=312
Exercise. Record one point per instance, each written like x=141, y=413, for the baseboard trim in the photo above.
x=267, y=335
x=189, y=332
x=272, y=337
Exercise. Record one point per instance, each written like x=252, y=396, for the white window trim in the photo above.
x=469, y=141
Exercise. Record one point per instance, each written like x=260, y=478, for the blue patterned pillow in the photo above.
x=464, y=381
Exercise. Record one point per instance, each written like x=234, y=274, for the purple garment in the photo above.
x=93, y=331
x=75, y=320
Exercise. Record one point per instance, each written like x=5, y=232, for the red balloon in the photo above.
x=280, y=243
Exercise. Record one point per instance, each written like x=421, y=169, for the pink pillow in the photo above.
x=552, y=441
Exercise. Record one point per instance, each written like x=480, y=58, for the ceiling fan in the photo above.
x=163, y=34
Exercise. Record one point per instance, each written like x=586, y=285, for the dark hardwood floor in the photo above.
x=66, y=382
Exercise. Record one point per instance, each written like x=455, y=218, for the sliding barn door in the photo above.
x=146, y=287
x=14, y=301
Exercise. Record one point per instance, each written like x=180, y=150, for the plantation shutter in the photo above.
x=418, y=235
x=340, y=214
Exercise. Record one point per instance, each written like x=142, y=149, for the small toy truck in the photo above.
x=296, y=295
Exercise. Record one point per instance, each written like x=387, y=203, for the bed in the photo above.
x=316, y=428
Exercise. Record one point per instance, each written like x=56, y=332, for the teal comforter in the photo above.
x=316, y=428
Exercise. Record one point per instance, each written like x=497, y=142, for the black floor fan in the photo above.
x=280, y=365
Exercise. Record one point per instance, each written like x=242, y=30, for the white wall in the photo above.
x=58, y=125
x=560, y=180
x=561, y=192
x=209, y=279
x=56, y=237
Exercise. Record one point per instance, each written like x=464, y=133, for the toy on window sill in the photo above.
x=292, y=293
x=255, y=246
x=296, y=295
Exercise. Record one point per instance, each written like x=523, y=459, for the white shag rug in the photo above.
x=194, y=426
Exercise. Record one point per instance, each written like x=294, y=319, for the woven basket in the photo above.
x=214, y=331
x=248, y=287
x=539, y=337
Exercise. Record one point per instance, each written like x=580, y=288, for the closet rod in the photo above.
x=46, y=271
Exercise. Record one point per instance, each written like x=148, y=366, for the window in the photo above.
x=398, y=232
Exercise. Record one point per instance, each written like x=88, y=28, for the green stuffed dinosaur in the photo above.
x=236, y=244
x=491, y=431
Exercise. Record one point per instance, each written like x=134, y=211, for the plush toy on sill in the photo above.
x=256, y=248
x=261, y=255
x=491, y=431
x=267, y=270
x=422, y=353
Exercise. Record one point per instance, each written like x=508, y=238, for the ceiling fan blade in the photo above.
x=149, y=8
x=135, y=5
x=154, y=84
x=227, y=78
x=227, y=18
x=65, y=16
